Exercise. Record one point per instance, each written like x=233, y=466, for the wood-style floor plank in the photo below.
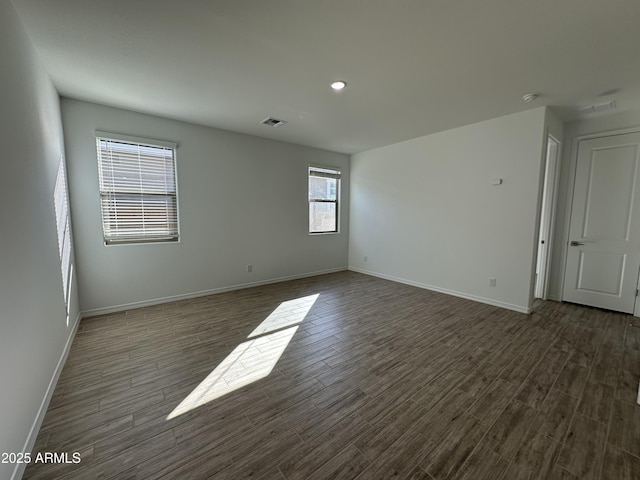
x=379, y=380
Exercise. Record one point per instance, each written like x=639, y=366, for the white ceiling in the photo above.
x=413, y=67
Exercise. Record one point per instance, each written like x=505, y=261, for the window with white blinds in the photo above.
x=63, y=224
x=137, y=189
x=324, y=193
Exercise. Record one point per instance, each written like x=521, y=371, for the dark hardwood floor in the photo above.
x=350, y=376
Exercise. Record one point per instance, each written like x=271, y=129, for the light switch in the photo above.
x=496, y=181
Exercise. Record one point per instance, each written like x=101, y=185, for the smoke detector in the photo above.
x=273, y=122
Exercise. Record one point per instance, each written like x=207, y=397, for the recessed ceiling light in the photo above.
x=530, y=97
x=339, y=85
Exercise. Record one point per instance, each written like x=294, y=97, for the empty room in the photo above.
x=346, y=239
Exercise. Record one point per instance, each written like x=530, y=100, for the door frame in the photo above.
x=550, y=189
x=573, y=166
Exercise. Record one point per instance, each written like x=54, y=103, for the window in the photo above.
x=137, y=189
x=324, y=192
x=64, y=232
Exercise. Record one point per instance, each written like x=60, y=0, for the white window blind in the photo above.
x=137, y=191
x=324, y=192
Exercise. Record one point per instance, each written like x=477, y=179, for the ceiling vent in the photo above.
x=273, y=122
x=598, y=107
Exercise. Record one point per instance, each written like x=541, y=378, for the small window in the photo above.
x=63, y=224
x=138, y=194
x=324, y=193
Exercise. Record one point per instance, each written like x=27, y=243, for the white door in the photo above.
x=604, y=236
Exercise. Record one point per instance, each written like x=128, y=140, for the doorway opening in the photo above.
x=547, y=218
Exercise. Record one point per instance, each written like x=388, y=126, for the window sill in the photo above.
x=313, y=234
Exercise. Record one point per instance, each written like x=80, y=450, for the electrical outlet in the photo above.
x=492, y=281
x=249, y=268
x=366, y=258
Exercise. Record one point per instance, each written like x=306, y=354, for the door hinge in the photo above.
x=636, y=292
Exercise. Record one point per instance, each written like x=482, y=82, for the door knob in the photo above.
x=575, y=243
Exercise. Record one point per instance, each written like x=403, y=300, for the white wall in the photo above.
x=242, y=200
x=425, y=211
x=554, y=125
x=33, y=323
x=572, y=131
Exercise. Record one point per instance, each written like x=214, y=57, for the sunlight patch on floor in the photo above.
x=288, y=313
x=251, y=360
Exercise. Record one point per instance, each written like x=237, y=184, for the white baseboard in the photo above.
x=475, y=298
x=19, y=469
x=173, y=298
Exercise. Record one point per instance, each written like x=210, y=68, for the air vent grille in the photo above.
x=273, y=122
x=597, y=108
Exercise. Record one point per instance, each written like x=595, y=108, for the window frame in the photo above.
x=141, y=141
x=332, y=172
